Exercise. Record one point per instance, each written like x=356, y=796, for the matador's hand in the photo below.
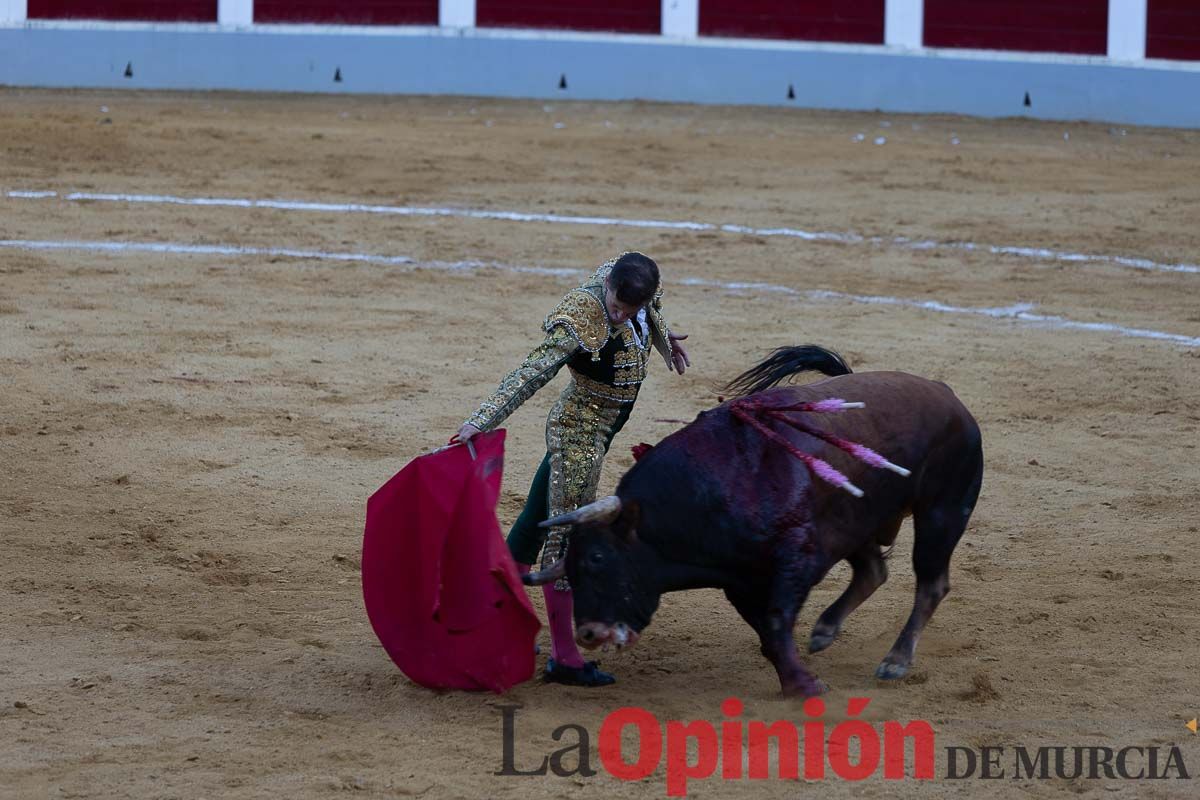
x=466, y=433
x=679, y=360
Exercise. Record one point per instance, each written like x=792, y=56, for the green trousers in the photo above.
x=526, y=538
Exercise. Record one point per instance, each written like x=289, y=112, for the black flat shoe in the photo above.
x=587, y=675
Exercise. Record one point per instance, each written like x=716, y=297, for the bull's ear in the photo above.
x=626, y=524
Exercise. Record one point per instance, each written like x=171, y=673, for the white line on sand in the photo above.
x=1031, y=253
x=1023, y=312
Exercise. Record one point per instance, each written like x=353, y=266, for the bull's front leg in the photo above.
x=772, y=609
x=774, y=628
x=779, y=646
x=796, y=571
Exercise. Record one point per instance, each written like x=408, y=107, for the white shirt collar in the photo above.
x=639, y=329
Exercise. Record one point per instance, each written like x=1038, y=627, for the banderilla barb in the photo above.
x=746, y=411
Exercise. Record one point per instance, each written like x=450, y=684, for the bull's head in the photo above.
x=610, y=570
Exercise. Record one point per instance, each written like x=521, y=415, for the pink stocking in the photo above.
x=562, y=627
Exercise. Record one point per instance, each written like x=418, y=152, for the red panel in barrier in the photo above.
x=1047, y=26
x=126, y=10
x=858, y=21
x=1173, y=29
x=348, y=12
x=619, y=16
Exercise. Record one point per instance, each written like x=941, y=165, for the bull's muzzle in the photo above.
x=599, y=634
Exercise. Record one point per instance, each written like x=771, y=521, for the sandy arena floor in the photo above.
x=189, y=440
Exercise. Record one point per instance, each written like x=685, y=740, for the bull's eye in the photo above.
x=596, y=558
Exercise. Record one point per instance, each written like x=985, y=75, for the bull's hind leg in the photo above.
x=938, y=529
x=929, y=593
x=870, y=572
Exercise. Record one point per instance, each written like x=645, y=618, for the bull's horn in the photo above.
x=547, y=575
x=606, y=509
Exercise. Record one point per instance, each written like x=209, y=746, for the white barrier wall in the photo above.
x=12, y=11
x=235, y=13
x=681, y=18
x=899, y=75
x=456, y=13
x=1127, y=30
x=903, y=22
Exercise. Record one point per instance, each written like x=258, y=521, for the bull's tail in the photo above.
x=783, y=363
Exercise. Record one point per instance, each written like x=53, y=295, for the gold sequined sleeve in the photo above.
x=538, y=369
x=659, y=331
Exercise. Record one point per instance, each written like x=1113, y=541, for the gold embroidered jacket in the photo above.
x=607, y=363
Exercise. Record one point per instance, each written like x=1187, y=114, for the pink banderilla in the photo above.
x=746, y=409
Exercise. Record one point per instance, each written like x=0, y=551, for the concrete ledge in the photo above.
x=597, y=67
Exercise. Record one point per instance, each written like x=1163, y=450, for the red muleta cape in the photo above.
x=441, y=589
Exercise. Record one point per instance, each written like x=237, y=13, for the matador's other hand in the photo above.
x=466, y=433
x=679, y=360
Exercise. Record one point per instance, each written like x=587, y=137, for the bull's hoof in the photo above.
x=889, y=671
x=821, y=639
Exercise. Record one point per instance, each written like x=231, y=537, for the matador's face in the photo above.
x=618, y=313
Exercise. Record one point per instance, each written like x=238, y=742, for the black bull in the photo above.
x=718, y=504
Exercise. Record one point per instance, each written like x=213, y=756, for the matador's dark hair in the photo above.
x=634, y=279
